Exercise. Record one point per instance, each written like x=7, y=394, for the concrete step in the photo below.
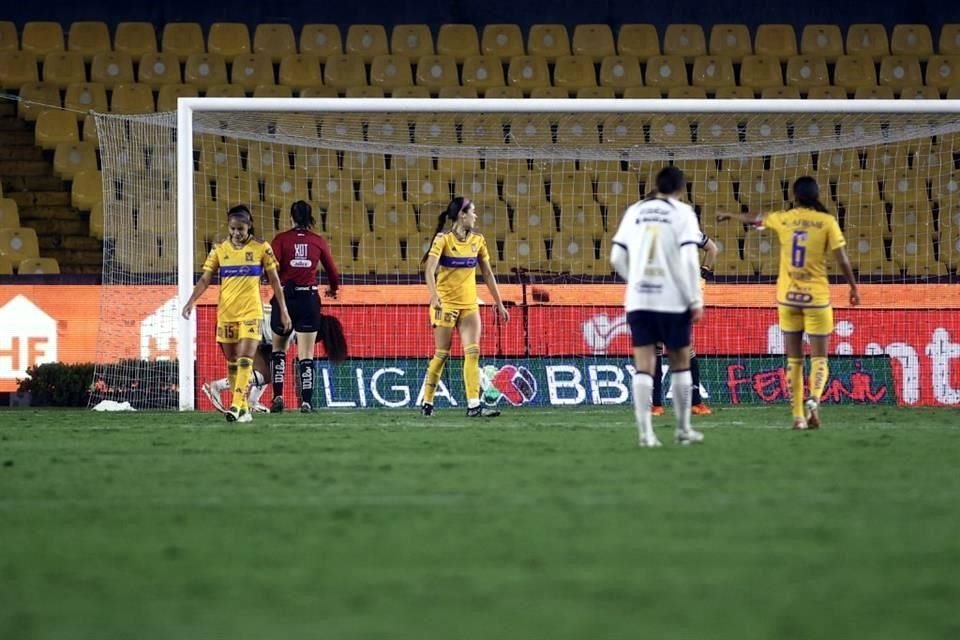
x=76, y=261
x=33, y=183
x=8, y=108
x=41, y=198
x=49, y=213
x=16, y=137
x=66, y=228
x=79, y=242
x=13, y=168
x=21, y=153
x=14, y=124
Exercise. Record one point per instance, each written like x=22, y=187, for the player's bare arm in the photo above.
x=274, y=280
x=843, y=261
x=745, y=218
x=711, y=251
x=491, y=281
x=430, y=273
x=198, y=290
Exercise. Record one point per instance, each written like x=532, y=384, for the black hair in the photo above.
x=242, y=213
x=670, y=180
x=334, y=340
x=451, y=213
x=302, y=214
x=807, y=194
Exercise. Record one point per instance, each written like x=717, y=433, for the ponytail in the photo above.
x=453, y=210
x=334, y=340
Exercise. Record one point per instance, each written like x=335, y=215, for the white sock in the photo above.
x=221, y=385
x=255, y=392
x=642, y=393
x=681, y=385
x=474, y=403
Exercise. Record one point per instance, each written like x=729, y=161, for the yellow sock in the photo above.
x=434, y=371
x=471, y=374
x=244, y=371
x=819, y=372
x=795, y=378
x=232, y=375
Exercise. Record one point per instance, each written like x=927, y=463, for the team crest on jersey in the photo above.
x=248, y=256
x=473, y=247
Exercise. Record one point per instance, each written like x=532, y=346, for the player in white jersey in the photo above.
x=656, y=250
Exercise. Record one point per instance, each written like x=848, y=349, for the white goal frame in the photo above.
x=186, y=107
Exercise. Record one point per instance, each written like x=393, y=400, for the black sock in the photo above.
x=657, y=397
x=695, y=374
x=306, y=380
x=278, y=361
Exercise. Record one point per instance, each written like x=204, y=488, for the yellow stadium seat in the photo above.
x=90, y=130
x=433, y=131
x=458, y=41
x=807, y=71
x=687, y=93
x=283, y=189
x=54, y=127
x=834, y=163
x=731, y=41
x=528, y=73
x=761, y=191
x=479, y=187
x=670, y=131
x=96, y=221
x=582, y=219
x=17, y=68
x=535, y=221
x=548, y=41
x=919, y=93
x=88, y=38
x=225, y=91
x=427, y=188
x=9, y=214
x=170, y=93
x=205, y=69
x=901, y=187
x=19, y=244
x=364, y=92
x=943, y=72
x=734, y=93
x=761, y=250
x=158, y=69
x=229, y=39
x=949, y=41
x=302, y=71
x=638, y=40
x=596, y=93
x=512, y=93
x=38, y=266
x=571, y=188
x=275, y=41
x=457, y=92
x=332, y=188
x=857, y=187
x=343, y=71
x=503, y=41
x=549, y=93
x=111, y=69
x=397, y=217
x=573, y=254
x=776, y=40
x=411, y=40
x=945, y=187
x=577, y=130
x=780, y=93
x=71, y=157
x=911, y=40
x=855, y=72
x=911, y=250
x=391, y=72
x=530, y=131
x=482, y=73
x=869, y=40
x=618, y=190
x=717, y=129
x=912, y=218
x=9, y=40
x=685, y=40
x=61, y=68
x=132, y=98
x=594, y=41
x=761, y=72
x=791, y=166
x=950, y=247
x=665, y=72
x=366, y=41
x=250, y=71
x=713, y=72
x=410, y=92
x=220, y=159
x=41, y=38
x=574, y=72
x=620, y=73
x=622, y=130
x=36, y=97
x=183, y=39
x=826, y=93
x=272, y=91
x=482, y=130
x=898, y=72
x=823, y=41
x=135, y=39
x=6, y=266
x=524, y=190
x=713, y=189
x=321, y=40
x=436, y=72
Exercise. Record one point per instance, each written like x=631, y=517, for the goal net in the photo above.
x=550, y=180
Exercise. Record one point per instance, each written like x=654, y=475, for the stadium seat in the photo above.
x=713, y=72
x=717, y=129
x=594, y=41
x=822, y=41
x=734, y=93
x=833, y=163
x=205, y=69
x=71, y=157
x=670, y=130
x=638, y=40
x=874, y=93
x=524, y=253
x=943, y=72
x=344, y=71
x=950, y=246
x=899, y=72
x=275, y=41
x=9, y=214
x=427, y=188
x=6, y=266
x=582, y=219
x=54, y=127
x=88, y=38
x=622, y=130
x=775, y=40
x=826, y=93
x=791, y=166
x=528, y=73
x=391, y=72
x=411, y=40
x=855, y=72
x=537, y=221
x=135, y=39
x=398, y=218
x=857, y=187
x=548, y=41
x=595, y=93
x=19, y=244
x=9, y=40
x=665, y=72
x=482, y=73
x=949, y=42
x=321, y=40
x=912, y=40
x=61, y=68
x=17, y=68
x=512, y=93
x=902, y=187
x=549, y=93
x=912, y=218
x=618, y=190
x=366, y=41
x=182, y=39
x=713, y=190
x=945, y=187
x=573, y=254
x=36, y=97
x=433, y=130
x=131, y=99
x=524, y=190
x=364, y=91
x=503, y=41
x=761, y=72
x=620, y=73
x=225, y=91
x=571, y=188
x=410, y=92
x=913, y=252
x=731, y=41
x=41, y=38
x=919, y=93
x=157, y=69
x=302, y=71
x=479, y=187
x=436, y=72
x=229, y=39
x=869, y=40
x=574, y=72
x=761, y=191
x=806, y=71
x=38, y=266
x=251, y=70
x=482, y=130
x=761, y=250
x=458, y=41
x=780, y=93
x=684, y=40
x=170, y=93
x=89, y=130
x=112, y=68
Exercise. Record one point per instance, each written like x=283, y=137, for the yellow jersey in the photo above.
x=806, y=239
x=457, y=271
x=240, y=271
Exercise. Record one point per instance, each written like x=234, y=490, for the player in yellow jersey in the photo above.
x=808, y=234
x=451, y=275
x=240, y=260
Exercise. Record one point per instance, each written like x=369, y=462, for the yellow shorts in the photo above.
x=447, y=317
x=233, y=332
x=816, y=321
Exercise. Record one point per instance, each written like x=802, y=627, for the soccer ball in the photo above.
x=489, y=394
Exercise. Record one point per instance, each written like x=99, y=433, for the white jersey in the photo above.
x=661, y=237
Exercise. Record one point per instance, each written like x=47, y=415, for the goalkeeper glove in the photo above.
x=706, y=272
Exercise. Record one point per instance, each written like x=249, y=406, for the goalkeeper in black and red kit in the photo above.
x=300, y=252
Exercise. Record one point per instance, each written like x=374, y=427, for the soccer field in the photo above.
x=541, y=524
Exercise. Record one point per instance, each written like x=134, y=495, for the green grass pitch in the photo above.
x=541, y=524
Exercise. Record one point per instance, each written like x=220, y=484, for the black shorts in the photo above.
x=303, y=305
x=651, y=327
